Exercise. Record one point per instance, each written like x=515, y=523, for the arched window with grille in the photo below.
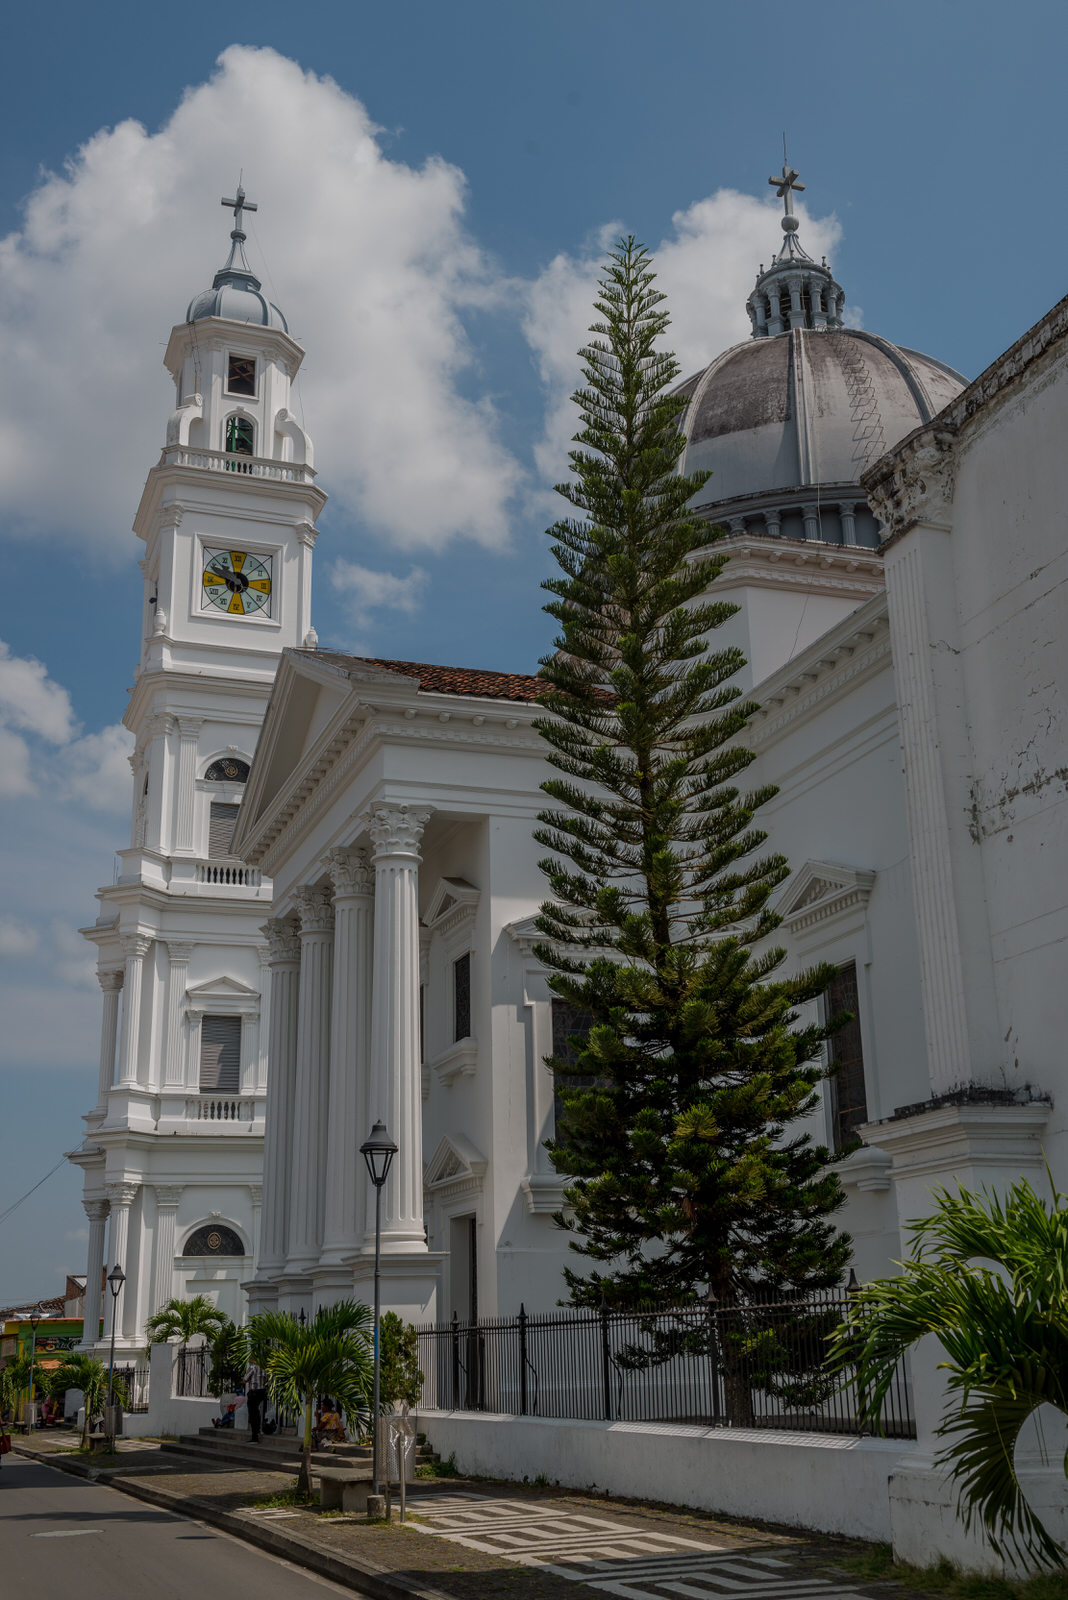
x=228, y=769
x=214, y=1240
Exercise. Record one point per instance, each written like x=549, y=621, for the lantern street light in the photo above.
x=116, y=1279
x=378, y=1152
x=35, y=1318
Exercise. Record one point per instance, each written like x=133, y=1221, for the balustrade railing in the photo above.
x=221, y=1108
x=175, y=455
x=231, y=874
x=762, y=1365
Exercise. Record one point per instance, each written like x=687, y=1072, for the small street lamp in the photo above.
x=116, y=1279
x=378, y=1152
x=35, y=1318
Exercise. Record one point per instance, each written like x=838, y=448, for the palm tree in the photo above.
x=85, y=1372
x=14, y=1380
x=185, y=1318
x=1005, y=1333
x=330, y=1354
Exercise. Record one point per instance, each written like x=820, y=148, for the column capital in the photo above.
x=168, y=1194
x=914, y=483
x=283, y=939
x=135, y=944
x=96, y=1210
x=111, y=979
x=122, y=1194
x=315, y=910
x=351, y=871
x=161, y=723
x=179, y=951
x=189, y=727
x=395, y=829
x=256, y=1191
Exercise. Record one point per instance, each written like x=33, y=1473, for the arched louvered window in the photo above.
x=228, y=770
x=220, y=1055
x=214, y=1240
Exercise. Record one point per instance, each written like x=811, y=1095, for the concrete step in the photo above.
x=234, y=1447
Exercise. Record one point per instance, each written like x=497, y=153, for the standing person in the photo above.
x=255, y=1398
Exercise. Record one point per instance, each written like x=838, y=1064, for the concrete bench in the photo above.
x=98, y=1441
x=343, y=1488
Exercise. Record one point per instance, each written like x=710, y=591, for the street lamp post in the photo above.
x=116, y=1279
x=378, y=1152
x=35, y=1317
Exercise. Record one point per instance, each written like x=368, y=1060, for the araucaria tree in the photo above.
x=687, y=1067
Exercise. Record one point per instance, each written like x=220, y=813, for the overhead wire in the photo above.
x=5, y=1214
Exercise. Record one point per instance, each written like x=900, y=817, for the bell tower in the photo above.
x=173, y=1151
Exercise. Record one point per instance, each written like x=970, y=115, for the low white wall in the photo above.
x=828, y=1483
x=168, y=1412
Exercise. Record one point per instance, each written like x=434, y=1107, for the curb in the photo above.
x=366, y=1577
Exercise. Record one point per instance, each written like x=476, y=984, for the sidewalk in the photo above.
x=470, y=1539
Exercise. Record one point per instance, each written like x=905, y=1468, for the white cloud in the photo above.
x=97, y=771
x=706, y=267
x=29, y=699
x=16, y=939
x=78, y=1235
x=368, y=257
x=14, y=765
x=362, y=592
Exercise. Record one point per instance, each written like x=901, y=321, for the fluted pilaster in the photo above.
x=350, y=1054
x=96, y=1212
x=135, y=947
x=168, y=1198
x=122, y=1197
x=283, y=942
x=177, y=979
x=111, y=983
x=311, y=1099
x=396, y=1094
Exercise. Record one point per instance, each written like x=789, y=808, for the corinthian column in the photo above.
x=312, y=1080
x=122, y=1197
x=111, y=983
x=135, y=947
x=350, y=1056
x=395, y=1087
x=167, y=1200
x=284, y=945
x=97, y=1213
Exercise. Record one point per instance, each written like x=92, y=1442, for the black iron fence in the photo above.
x=762, y=1365
x=135, y=1382
x=191, y=1371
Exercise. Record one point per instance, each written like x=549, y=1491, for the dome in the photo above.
x=244, y=304
x=787, y=422
x=235, y=290
x=805, y=408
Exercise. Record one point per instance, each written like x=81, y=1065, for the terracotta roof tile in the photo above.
x=449, y=680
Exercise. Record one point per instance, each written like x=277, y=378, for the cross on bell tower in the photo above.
x=241, y=205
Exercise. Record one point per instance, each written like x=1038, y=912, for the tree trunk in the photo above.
x=304, y=1475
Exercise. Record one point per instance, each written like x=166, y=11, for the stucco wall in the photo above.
x=834, y=1485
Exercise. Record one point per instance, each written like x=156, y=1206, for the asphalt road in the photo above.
x=62, y=1537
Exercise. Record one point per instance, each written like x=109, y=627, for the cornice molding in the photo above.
x=849, y=572
x=835, y=664
x=460, y=1060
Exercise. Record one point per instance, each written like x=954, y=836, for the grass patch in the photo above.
x=945, y=1577
x=440, y=1469
x=284, y=1497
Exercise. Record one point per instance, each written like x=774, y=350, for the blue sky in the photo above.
x=435, y=184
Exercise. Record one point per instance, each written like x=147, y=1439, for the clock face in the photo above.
x=237, y=583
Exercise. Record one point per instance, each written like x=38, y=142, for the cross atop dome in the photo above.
x=784, y=187
x=237, y=271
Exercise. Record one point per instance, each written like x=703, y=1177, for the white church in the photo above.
x=325, y=913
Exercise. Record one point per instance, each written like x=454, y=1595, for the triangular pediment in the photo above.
x=222, y=988
x=823, y=887
x=453, y=898
x=455, y=1158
